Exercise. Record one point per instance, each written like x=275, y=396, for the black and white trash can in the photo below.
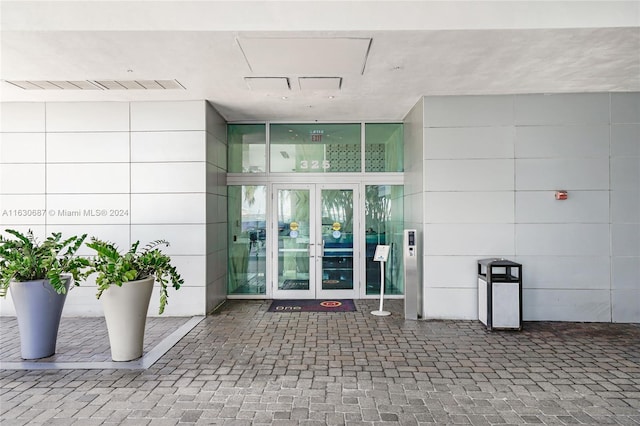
x=500, y=294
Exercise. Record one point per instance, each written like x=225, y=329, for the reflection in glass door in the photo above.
x=316, y=249
x=295, y=242
x=337, y=260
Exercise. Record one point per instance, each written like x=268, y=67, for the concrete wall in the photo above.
x=414, y=189
x=491, y=167
x=122, y=172
x=216, y=209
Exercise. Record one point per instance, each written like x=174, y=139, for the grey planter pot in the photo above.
x=38, y=308
x=125, y=312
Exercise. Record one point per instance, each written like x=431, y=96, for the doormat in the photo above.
x=307, y=305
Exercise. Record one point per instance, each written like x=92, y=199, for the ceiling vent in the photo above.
x=97, y=84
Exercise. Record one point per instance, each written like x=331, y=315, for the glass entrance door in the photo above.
x=316, y=252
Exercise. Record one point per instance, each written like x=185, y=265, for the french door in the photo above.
x=316, y=242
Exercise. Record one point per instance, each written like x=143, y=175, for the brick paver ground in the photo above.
x=245, y=366
x=83, y=339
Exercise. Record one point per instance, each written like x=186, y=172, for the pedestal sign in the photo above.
x=381, y=255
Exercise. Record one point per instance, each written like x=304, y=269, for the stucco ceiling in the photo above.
x=488, y=50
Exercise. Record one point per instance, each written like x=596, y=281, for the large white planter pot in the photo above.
x=38, y=308
x=125, y=311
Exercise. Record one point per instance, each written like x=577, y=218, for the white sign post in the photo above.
x=381, y=255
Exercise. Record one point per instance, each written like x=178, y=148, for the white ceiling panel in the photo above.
x=320, y=83
x=305, y=56
x=268, y=83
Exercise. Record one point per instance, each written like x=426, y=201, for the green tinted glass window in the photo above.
x=384, y=225
x=247, y=205
x=315, y=148
x=383, y=150
x=247, y=148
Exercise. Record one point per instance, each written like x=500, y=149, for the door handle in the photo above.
x=321, y=248
x=310, y=250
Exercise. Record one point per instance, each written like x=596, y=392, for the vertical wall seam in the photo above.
x=515, y=192
x=46, y=170
x=610, y=216
x=130, y=178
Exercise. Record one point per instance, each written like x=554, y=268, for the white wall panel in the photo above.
x=221, y=213
x=469, y=207
x=451, y=303
x=413, y=164
x=625, y=239
x=625, y=140
x=22, y=209
x=215, y=180
x=87, y=116
x=216, y=237
x=563, y=109
x=453, y=271
x=216, y=124
x=184, y=240
x=626, y=273
x=88, y=208
x=625, y=107
x=168, y=177
x=22, y=179
x=625, y=173
x=413, y=206
x=172, y=116
x=22, y=147
x=584, y=140
x=465, y=239
x=183, y=302
x=469, y=175
x=565, y=272
x=566, y=305
x=168, y=146
x=39, y=231
x=217, y=267
x=580, y=207
x=626, y=305
x=116, y=234
x=212, y=208
x=468, y=111
x=469, y=142
x=566, y=173
x=414, y=145
x=625, y=206
x=104, y=147
x=563, y=239
x=167, y=208
x=88, y=178
x=22, y=117
x=212, y=149
x=192, y=269
x=221, y=156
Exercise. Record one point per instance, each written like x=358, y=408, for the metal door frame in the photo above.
x=316, y=243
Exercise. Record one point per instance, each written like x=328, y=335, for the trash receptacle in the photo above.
x=500, y=294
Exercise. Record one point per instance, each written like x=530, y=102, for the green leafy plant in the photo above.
x=25, y=259
x=115, y=268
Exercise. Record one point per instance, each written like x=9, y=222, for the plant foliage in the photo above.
x=25, y=259
x=115, y=268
